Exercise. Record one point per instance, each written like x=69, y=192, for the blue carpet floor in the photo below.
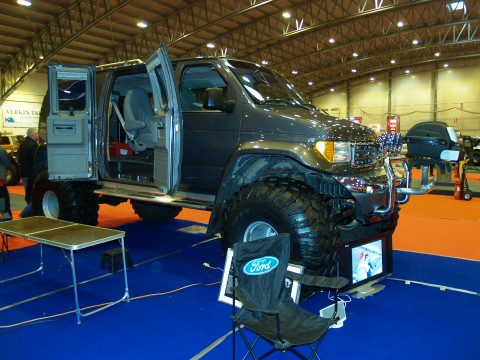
x=174, y=312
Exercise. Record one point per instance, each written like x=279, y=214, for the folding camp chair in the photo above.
x=260, y=270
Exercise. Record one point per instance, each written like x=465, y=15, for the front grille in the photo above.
x=365, y=155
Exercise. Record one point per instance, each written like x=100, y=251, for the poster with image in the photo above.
x=366, y=261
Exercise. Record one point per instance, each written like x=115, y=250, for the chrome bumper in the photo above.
x=395, y=186
x=426, y=186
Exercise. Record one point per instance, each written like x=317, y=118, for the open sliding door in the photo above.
x=70, y=122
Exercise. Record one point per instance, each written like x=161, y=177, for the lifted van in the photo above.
x=216, y=134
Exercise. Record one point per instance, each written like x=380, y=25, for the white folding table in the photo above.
x=65, y=235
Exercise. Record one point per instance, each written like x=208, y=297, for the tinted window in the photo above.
x=195, y=80
x=71, y=95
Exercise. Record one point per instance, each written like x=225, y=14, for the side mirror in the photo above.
x=214, y=100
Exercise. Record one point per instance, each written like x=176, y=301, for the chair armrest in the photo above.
x=317, y=280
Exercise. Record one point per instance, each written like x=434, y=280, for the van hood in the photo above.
x=298, y=123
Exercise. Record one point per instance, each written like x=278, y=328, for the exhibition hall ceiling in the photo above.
x=319, y=45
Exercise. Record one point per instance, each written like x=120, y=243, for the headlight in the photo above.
x=333, y=151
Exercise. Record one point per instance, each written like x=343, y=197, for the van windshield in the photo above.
x=265, y=86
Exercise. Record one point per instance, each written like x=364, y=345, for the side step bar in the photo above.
x=159, y=198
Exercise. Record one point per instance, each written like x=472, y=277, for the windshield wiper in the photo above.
x=276, y=101
x=284, y=102
x=308, y=106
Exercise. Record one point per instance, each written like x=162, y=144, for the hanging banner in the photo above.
x=393, y=124
x=17, y=114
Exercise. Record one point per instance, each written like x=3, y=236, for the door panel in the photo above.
x=168, y=119
x=212, y=135
x=70, y=122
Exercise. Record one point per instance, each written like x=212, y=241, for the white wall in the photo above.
x=370, y=101
x=334, y=103
x=459, y=97
x=413, y=99
x=21, y=109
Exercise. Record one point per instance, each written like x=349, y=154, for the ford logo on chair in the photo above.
x=260, y=266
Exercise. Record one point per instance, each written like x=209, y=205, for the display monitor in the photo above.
x=365, y=262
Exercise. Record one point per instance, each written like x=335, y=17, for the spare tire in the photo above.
x=476, y=157
x=154, y=213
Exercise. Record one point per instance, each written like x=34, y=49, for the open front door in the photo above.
x=70, y=122
x=168, y=119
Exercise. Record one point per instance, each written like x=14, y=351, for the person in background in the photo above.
x=4, y=166
x=363, y=267
x=26, y=158
x=26, y=155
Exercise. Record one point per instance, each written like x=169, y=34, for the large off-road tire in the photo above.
x=270, y=207
x=65, y=200
x=154, y=213
x=13, y=175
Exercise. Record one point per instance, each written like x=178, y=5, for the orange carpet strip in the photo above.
x=431, y=224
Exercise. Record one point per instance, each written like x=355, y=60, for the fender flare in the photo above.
x=299, y=155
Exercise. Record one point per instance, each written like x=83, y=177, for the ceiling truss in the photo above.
x=367, y=40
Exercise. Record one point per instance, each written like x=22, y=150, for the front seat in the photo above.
x=138, y=115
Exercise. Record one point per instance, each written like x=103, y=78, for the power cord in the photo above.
x=11, y=327
x=346, y=300
x=208, y=265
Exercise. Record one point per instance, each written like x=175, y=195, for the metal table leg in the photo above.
x=75, y=290
x=4, y=248
x=126, y=295
x=40, y=269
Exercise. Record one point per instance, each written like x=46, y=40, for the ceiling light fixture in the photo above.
x=392, y=61
x=372, y=78
x=294, y=72
x=24, y=2
x=415, y=42
x=331, y=40
x=437, y=54
x=407, y=71
x=211, y=45
x=310, y=83
x=286, y=15
x=354, y=70
x=142, y=24
x=400, y=24
x=355, y=54
x=457, y=5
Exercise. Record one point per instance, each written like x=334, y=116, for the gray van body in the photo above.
x=216, y=134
